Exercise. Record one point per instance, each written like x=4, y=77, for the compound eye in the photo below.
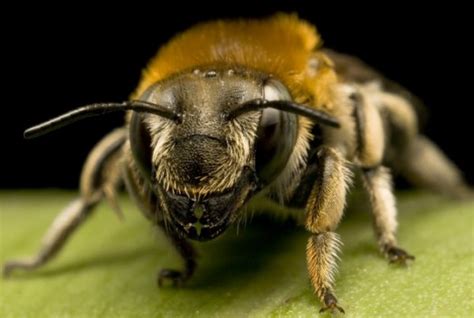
x=140, y=138
x=275, y=90
x=140, y=144
x=276, y=135
x=269, y=124
x=276, y=138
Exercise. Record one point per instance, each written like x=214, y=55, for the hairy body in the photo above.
x=231, y=123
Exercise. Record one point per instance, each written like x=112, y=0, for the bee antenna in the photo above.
x=287, y=106
x=98, y=110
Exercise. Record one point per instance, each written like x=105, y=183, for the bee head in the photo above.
x=231, y=137
x=206, y=141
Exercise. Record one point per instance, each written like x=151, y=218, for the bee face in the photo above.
x=203, y=168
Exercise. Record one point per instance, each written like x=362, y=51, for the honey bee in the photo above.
x=230, y=109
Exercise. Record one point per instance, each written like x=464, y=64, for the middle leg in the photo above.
x=378, y=184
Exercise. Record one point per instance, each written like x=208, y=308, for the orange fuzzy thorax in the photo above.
x=282, y=46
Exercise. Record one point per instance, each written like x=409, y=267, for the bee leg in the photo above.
x=378, y=184
x=418, y=159
x=187, y=252
x=102, y=159
x=63, y=226
x=149, y=203
x=425, y=165
x=323, y=212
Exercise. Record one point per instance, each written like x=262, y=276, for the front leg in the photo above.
x=323, y=212
x=149, y=204
x=188, y=254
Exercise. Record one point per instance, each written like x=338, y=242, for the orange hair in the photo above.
x=282, y=46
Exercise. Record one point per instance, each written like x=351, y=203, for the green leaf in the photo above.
x=108, y=269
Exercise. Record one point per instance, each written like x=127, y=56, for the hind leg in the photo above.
x=425, y=165
x=99, y=179
x=418, y=159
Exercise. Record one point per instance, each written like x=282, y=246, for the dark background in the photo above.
x=61, y=57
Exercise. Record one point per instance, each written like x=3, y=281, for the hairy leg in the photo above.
x=418, y=159
x=372, y=105
x=99, y=173
x=323, y=212
x=378, y=184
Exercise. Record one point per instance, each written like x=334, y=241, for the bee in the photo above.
x=229, y=111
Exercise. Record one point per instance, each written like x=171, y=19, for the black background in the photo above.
x=62, y=57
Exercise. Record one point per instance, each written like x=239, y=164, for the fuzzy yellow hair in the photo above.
x=282, y=45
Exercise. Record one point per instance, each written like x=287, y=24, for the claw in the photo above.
x=7, y=269
x=398, y=256
x=11, y=266
x=331, y=305
x=177, y=277
x=332, y=308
